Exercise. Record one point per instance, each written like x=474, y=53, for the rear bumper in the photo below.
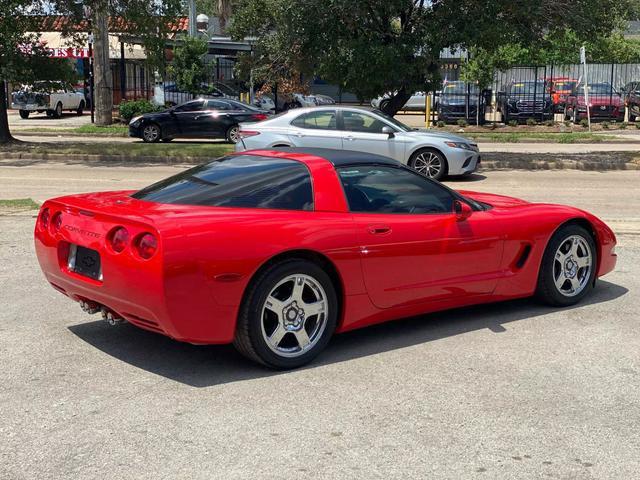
x=165, y=294
x=31, y=107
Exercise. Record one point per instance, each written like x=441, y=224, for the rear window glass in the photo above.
x=246, y=181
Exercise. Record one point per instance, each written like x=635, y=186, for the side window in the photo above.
x=321, y=120
x=379, y=189
x=218, y=105
x=361, y=122
x=190, y=107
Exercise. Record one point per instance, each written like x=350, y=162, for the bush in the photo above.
x=637, y=125
x=622, y=126
x=462, y=122
x=605, y=125
x=584, y=123
x=493, y=125
x=132, y=108
x=549, y=123
x=440, y=124
x=531, y=122
x=567, y=123
x=513, y=123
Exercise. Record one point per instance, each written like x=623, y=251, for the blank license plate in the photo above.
x=85, y=261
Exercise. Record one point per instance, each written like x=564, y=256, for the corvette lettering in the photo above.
x=81, y=231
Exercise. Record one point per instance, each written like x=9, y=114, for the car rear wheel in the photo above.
x=233, y=134
x=24, y=114
x=151, y=133
x=384, y=104
x=288, y=316
x=568, y=267
x=80, y=108
x=57, y=113
x=430, y=163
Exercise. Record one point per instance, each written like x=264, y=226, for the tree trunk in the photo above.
x=392, y=105
x=5, y=133
x=103, y=89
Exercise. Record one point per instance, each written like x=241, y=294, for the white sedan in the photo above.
x=350, y=128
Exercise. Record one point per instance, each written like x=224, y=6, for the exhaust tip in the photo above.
x=111, y=318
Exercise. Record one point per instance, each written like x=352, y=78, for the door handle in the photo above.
x=299, y=134
x=379, y=229
x=349, y=138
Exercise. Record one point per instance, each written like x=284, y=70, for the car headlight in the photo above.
x=464, y=146
x=136, y=121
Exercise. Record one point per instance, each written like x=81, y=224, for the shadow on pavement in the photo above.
x=204, y=366
x=472, y=177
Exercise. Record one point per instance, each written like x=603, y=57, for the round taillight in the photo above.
x=44, y=218
x=56, y=221
x=119, y=239
x=146, y=246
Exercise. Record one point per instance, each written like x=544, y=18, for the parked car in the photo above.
x=605, y=103
x=560, y=89
x=264, y=102
x=174, y=96
x=629, y=88
x=200, y=118
x=275, y=251
x=431, y=153
x=453, y=104
x=50, y=97
x=633, y=104
x=417, y=102
x=324, y=99
x=523, y=100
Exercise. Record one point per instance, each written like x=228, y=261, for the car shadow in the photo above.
x=209, y=365
x=472, y=177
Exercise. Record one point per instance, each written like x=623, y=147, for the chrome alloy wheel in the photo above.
x=572, y=265
x=294, y=315
x=428, y=164
x=151, y=133
x=234, y=134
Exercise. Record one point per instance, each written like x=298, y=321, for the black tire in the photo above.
x=80, y=108
x=50, y=113
x=151, y=133
x=167, y=140
x=24, y=114
x=232, y=134
x=57, y=113
x=249, y=338
x=547, y=290
x=632, y=118
x=419, y=162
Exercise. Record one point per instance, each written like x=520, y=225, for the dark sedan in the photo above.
x=201, y=118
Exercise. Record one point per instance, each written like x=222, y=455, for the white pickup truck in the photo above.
x=50, y=97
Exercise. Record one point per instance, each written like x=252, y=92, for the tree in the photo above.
x=23, y=59
x=372, y=47
x=189, y=68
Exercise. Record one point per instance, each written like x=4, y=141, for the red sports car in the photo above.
x=277, y=250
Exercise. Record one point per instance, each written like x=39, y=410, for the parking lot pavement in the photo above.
x=40, y=120
x=513, y=390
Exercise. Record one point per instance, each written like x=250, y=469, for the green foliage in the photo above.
x=623, y=126
x=531, y=122
x=441, y=124
x=605, y=125
x=513, y=123
x=567, y=123
x=462, y=122
x=132, y=108
x=637, y=124
x=584, y=123
x=188, y=66
x=549, y=123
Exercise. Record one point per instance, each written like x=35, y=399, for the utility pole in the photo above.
x=103, y=83
x=193, y=28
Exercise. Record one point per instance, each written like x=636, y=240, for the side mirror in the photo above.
x=389, y=131
x=462, y=210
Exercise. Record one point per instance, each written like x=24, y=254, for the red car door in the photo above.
x=413, y=247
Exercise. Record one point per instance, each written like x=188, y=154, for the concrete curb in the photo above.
x=600, y=161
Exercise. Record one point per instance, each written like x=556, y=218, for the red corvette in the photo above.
x=277, y=250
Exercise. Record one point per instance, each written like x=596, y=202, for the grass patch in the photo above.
x=18, y=205
x=89, y=130
x=124, y=151
x=513, y=137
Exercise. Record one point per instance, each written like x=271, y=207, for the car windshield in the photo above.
x=393, y=121
x=242, y=181
x=597, y=89
x=527, y=88
x=459, y=88
x=563, y=85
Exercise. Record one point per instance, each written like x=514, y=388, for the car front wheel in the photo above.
x=430, y=163
x=288, y=316
x=24, y=114
x=568, y=267
x=151, y=133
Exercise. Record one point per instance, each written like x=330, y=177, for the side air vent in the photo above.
x=524, y=255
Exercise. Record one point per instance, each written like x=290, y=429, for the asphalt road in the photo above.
x=511, y=391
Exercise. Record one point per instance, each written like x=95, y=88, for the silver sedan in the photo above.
x=350, y=128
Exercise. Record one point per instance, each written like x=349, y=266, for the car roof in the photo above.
x=338, y=158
